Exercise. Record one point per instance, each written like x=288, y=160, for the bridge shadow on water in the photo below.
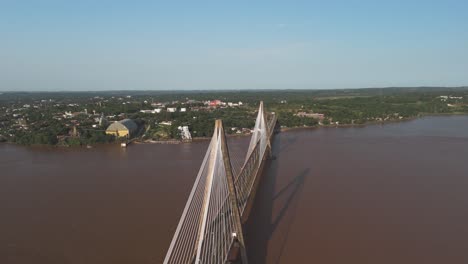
x=273, y=212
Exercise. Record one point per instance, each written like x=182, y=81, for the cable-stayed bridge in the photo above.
x=210, y=229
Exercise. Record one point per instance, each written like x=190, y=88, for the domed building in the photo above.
x=124, y=128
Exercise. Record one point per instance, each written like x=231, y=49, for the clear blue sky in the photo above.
x=100, y=45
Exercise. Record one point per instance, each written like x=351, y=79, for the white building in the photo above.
x=68, y=114
x=185, y=133
x=166, y=123
x=154, y=111
x=183, y=109
x=171, y=109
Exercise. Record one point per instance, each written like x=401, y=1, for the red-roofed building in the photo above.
x=215, y=102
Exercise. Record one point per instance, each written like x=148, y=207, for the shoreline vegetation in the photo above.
x=281, y=129
x=80, y=119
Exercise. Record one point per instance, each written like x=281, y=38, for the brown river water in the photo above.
x=395, y=193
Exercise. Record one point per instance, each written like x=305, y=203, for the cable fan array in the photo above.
x=210, y=226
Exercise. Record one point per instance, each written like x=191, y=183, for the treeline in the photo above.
x=42, y=133
x=288, y=119
x=36, y=138
x=201, y=123
x=89, y=137
x=51, y=137
x=249, y=96
x=347, y=106
x=359, y=110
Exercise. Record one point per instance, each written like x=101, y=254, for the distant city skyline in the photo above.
x=213, y=45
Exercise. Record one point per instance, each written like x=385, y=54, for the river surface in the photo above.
x=395, y=193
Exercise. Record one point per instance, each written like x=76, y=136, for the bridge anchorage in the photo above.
x=210, y=228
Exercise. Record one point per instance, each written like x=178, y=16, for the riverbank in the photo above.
x=282, y=129
x=422, y=115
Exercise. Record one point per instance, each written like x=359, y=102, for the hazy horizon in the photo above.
x=229, y=90
x=117, y=45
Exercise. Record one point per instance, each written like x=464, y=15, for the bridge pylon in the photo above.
x=210, y=229
x=238, y=242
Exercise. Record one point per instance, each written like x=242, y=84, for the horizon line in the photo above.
x=230, y=90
